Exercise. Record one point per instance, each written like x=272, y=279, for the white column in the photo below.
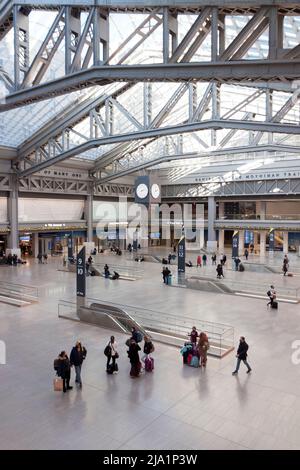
x=221, y=240
x=262, y=245
x=211, y=239
x=285, y=243
x=35, y=244
x=12, y=210
x=89, y=244
x=255, y=241
x=221, y=210
x=241, y=242
x=263, y=210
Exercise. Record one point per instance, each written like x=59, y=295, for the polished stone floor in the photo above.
x=176, y=407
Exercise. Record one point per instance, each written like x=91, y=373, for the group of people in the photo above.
x=107, y=274
x=199, y=347
x=137, y=365
x=63, y=365
x=11, y=260
x=43, y=258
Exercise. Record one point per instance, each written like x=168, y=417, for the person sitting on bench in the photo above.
x=115, y=276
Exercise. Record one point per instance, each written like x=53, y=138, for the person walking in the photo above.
x=64, y=370
x=203, y=347
x=224, y=259
x=204, y=259
x=242, y=356
x=112, y=355
x=214, y=259
x=40, y=258
x=77, y=356
x=272, y=296
x=246, y=253
x=219, y=271
x=134, y=358
x=285, y=268
x=45, y=256
x=199, y=262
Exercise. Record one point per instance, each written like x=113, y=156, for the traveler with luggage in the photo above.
x=272, y=296
x=134, y=358
x=111, y=353
x=147, y=359
x=63, y=370
x=203, y=347
x=242, y=356
x=77, y=356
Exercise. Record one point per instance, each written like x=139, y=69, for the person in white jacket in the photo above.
x=113, y=356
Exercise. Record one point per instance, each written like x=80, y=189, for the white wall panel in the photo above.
x=50, y=210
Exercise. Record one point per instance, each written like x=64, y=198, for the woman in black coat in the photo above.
x=133, y=354
x=64, y=370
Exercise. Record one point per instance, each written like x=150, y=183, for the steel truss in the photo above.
x=62, y=139
x=233, y=188
x=89, y=59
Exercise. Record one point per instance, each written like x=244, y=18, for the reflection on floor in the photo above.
x=176, y=407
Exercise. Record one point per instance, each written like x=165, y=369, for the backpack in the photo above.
x=269, y=293
x=107, y=350
x=56, y=364
x=139, y=337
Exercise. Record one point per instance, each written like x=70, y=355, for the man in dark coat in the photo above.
x=77, y=356
x=64, y=370
x=242, y=356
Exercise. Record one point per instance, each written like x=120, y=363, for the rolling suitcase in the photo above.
x=58, y=384
x=195, y=361
x=275, y=304
x=149, y=364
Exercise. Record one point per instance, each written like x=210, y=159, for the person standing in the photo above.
x=148, y=348
x=204, y=259
x=203, y=347
x=112, y=356
x=214, y=259
x=242, y=356
x=285, y=268
x=134, y=358
x=199, y=263
x=64, y=370
x=224, y=259
x=272, y=296
x=246, y=253
x=194, y=335
x=219, y=271
x=169, y=257
x=77, y=356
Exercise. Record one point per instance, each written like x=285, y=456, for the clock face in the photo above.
x=155, y=191
x=142, y=191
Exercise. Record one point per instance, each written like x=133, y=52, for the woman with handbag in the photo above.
x=112, y=355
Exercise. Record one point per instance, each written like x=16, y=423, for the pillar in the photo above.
x=262, y=243
x=221, y=240
x=255, y=241
x=285, y=243
x=35, y=247
x=241, y=242
x=12, y=210
x=89, y=244
x=211, y=239
x=263, y=210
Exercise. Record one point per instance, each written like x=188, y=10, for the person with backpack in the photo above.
x=77, y=356
x=112, y=355
x=242, y=356
x=63, y=370
x=147, y=359
x=134, y=358
x=203, y=347
x=272, y=296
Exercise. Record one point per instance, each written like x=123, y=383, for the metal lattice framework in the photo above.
x=119, y=131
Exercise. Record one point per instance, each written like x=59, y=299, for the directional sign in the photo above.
x=80, y=274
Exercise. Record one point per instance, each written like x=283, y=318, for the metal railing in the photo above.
x=283, y=292
x=163, y=327
x=258, y=217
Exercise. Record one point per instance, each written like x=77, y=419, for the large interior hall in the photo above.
x=149, y=225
